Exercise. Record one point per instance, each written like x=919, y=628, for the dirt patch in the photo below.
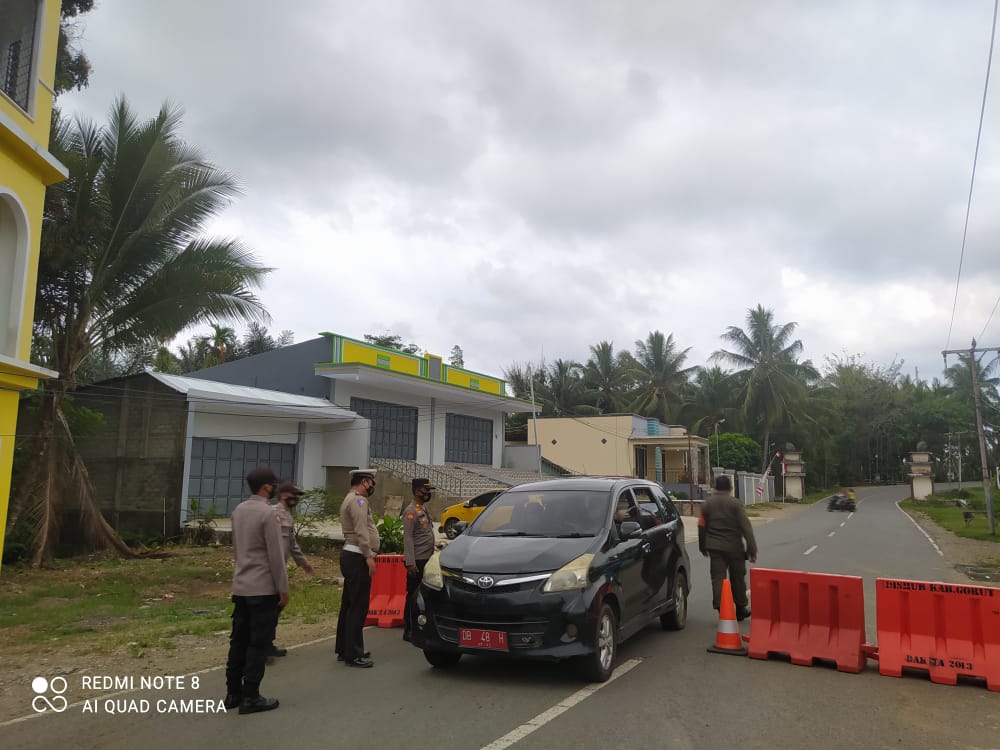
x=973, y=558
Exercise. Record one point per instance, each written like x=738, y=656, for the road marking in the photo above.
x=843, y=524
x=850, y=515
x=933, y=543
x=831, y=533
x=545, y=717
x=811, y=550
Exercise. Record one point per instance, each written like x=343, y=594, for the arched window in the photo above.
x=13, y=270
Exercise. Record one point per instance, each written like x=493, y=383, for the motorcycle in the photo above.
x=841, y=502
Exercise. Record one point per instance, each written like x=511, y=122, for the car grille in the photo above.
x=520, y=633
x=498, y=588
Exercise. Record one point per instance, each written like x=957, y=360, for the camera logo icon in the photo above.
x=42, y=702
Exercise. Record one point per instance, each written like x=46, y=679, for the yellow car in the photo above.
x=467, y=511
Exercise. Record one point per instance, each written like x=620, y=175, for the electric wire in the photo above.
x=972, y=181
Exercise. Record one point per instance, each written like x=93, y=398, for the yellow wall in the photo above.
x=578, y=445
x=383, y=358
x=468, y=379
x=25, y=169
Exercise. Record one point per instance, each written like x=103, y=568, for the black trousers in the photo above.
x=254, y=621
x=353, y=605
x=410, y=609
x=735, y=565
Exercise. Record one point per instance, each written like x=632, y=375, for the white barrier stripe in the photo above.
x=933, y=543
x=545, y=717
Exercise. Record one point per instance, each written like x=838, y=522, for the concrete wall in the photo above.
x=589, y=445
x=289, y=369
x=136, y=460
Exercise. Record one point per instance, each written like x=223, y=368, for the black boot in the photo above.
x=255, y=705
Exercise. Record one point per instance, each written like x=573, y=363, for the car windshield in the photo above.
x=551, y=513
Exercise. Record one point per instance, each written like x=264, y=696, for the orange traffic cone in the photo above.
x=727, y=635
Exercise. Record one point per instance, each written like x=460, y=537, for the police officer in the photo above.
x=288, y=498
x=722, y=530
x=357, y=565
x=260, y=589
x=418, y=546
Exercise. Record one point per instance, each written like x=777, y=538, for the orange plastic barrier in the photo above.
x=944, y=629
x=808, y=616
x=388, y=597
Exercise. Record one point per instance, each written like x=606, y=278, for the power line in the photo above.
x=972, y=181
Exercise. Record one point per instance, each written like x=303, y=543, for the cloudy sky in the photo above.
x=525, y=179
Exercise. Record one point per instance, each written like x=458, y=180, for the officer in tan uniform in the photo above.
x=418, y=546
x=357, y=565
x=260, y=589
x=288, y=498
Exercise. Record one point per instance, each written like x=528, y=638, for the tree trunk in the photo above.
x=55, y=476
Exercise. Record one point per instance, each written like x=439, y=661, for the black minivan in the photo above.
x=558, y=569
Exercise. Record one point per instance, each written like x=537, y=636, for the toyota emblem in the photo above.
x=485, y=582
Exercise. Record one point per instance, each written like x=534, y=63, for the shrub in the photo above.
x=390, y=531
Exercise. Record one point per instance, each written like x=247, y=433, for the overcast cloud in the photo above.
x=523, y=178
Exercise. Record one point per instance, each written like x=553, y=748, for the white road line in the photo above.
x=811, y=550
x=843, y=524
x=545, y=717
x=933, y=543
x=850, y=515
x=831, y=533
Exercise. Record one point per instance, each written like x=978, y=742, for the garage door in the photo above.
x=219, y=468
x=468, y=440
x=393, y=428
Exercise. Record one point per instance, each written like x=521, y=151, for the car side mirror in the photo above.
x=460, y=527
x=630, y=530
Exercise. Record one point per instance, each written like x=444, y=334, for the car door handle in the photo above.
x=646, y=548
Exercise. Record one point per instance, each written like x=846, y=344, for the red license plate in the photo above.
x=493, y=640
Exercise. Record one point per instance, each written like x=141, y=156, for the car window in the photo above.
x=625, y=509
x=554, y=513
x=650, y=511
x=481, y=501
x=669, y=511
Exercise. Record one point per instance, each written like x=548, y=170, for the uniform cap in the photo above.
x=290, y=487
x=422, y=484
x=358, y=474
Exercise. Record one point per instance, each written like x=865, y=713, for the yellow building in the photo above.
x=623, y=445
x=29, y=33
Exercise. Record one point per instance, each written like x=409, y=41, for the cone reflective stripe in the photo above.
x=727, y=635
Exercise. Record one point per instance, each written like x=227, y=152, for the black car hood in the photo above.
x=505, y=554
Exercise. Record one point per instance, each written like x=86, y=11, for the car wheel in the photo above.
x=442, y=658
x=449, y=528
x=677, y=619
x=597, y=667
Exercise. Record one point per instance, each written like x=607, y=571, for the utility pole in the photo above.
x=534, y=419
x=974, y=368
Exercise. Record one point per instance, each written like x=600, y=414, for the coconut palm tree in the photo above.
x=123, y=264
x=660, y=375
x=564, y=394
x=606, y=377
x=772, y=380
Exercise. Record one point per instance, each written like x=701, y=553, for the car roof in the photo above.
x=607, y=484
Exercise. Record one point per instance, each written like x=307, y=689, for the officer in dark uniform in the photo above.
x=418, y=546
x=722, y=529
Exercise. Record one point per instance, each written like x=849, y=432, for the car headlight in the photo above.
x=433, y=579
x=575, y=575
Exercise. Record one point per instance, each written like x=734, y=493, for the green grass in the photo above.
x=99, y=605
x=942, y=509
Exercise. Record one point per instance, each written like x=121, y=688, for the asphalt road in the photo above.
x=668, y=691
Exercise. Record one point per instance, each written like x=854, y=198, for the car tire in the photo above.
x=449, y=528
x=597, y=667
x=677, y=619
x=443, y=659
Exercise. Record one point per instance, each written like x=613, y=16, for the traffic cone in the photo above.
x=727, y=635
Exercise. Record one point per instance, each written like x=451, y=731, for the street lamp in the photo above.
x=718, y=454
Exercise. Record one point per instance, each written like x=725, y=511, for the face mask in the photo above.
x=425, y=496
x=371, y=489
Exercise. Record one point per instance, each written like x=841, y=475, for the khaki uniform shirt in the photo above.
x=260, y=559
x=418, y=534
x=289, y=544
x=727, y=525
x=358, y=525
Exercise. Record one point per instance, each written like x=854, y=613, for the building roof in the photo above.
x=240, y=399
